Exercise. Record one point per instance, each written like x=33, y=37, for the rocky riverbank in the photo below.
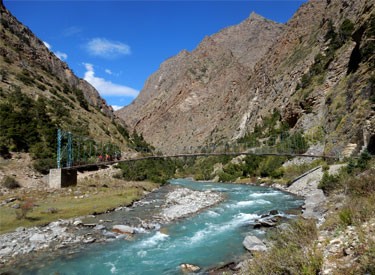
x=69, y=234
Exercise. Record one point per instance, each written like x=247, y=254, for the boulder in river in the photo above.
x=188, y=268
x=123, y=229
x=253, y=243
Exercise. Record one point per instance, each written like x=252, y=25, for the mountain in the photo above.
x=314, y=74
x=39, y=93
x=192, y=94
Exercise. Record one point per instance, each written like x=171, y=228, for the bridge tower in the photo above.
x=60, y=177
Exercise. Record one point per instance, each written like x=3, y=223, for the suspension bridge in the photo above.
x=80, y=153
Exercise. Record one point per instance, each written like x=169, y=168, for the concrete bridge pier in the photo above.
x=59, y=178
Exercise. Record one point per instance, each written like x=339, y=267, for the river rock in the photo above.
x=77, y=222
x=267, y=221
x=123, y=229
x=99, y=227
x=109, y=235
x=188, y=268
x=38, y=238
x=89, y=240
x=252, y=243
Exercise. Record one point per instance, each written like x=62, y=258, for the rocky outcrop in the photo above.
x=254, y=244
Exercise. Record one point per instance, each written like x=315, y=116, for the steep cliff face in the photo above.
x=316, y=71
x=195, y=93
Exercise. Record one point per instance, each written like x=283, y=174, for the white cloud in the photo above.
x=107, y=87
x=116, y=107
x=61, y=56
x=108, y=71
x=106, y=48
x=71, y=31
x=47, y=45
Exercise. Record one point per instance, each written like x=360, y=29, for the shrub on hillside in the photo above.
x=4, y=152
x=329, y=183
x=10, y=183
x=44, y=165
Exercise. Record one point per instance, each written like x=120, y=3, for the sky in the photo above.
x=117, y=45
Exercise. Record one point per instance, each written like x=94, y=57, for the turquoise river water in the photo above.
x=210, y=238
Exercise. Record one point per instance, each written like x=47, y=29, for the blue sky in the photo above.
x=117, y=45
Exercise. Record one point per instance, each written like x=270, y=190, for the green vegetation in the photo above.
x=331, y=183
x=155, y=170
x=292, y=251
x=271, y=136
x=201, y=168
x=28, y=127
x=138, y=143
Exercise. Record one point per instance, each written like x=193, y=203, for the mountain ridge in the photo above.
x=166, y=101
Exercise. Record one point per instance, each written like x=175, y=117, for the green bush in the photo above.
x=10, y=183
x=329, y=183
x=44, y=165
x=346, y=216
x=360, y=164
x=155, y=170
x=4, y=151
x=81, y=99
x=138, y=143
x=346, y=30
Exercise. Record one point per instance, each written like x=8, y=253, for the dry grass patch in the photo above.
x=90, y=196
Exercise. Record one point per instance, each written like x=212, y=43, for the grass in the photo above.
x=292, y=251
x=293, y=171
x=90, y=196
x=359, y=203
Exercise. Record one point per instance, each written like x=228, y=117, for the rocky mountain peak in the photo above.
x=256, y=17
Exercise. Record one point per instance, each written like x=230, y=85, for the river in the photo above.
x=210, y=238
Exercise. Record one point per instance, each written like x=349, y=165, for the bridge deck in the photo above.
x=104, y=163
